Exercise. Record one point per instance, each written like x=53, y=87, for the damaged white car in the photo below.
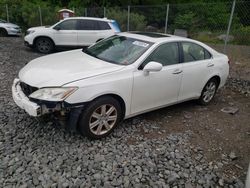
x=119, y=77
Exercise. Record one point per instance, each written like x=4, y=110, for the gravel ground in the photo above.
x=181, y=146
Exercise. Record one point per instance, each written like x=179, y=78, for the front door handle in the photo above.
x=177, y=71
x=210, y=65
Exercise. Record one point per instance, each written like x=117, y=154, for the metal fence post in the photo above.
x=104, y=12
x=128, y=18
x=166, y=21
x=229, y=26
x=40, y=15
x=7, y=13
x=85, y=10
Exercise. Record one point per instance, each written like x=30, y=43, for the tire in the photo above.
x=3, y=32
x=208, y=92
x=44, y=45
x=100, y=117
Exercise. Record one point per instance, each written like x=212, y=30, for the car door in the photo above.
x=65, y=33
x=158, y=88
x=197, y=67
x=87, y=32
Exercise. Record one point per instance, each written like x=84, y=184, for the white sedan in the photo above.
x=118, y=78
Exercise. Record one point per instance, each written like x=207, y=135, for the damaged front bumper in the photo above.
x=23, y=101
x=38, y=108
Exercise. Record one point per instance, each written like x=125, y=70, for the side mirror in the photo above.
x=152, y=66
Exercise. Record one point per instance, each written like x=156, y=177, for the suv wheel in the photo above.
x=100, y=117
x=3, y=32
x=208, y=92
x=44, y=45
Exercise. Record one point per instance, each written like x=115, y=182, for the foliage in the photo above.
x=200, y=15
x=185, y=21
x=137, y=21
x=242, y=35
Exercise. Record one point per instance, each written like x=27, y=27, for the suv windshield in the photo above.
x=118, y=49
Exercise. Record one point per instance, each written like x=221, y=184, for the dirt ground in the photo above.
x=217, y=133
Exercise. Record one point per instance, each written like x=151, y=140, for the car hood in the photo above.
x=10, y=25
x=62, y=68
x=37, y=28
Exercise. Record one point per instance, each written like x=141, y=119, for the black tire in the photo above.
x=3, y=32
x=44, y=45
x=100, y=124
x=208, y=92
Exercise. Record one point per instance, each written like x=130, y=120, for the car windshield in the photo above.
x=119, y=49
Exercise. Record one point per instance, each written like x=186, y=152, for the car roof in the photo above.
x=153, y=36
x=89, y=18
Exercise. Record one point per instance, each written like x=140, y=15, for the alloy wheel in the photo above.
x=44, y=45
x=209, y=92
x=103, y=119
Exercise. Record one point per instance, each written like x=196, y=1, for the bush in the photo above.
x=136, y=21
x=242, y=35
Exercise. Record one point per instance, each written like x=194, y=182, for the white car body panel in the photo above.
x=87, y=38
x=60, y=73
x=140, y=92
x=65, y=37
x=151, y=90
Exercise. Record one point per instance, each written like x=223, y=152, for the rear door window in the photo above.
x=87, y=25
x=194, y=52
x=103, y=25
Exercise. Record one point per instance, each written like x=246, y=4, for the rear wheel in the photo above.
x=44, y=45
x=208, y=92
x=3, y=32
x=100, y=117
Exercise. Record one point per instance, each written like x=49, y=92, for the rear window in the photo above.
x=87, y=25
x=103, y=25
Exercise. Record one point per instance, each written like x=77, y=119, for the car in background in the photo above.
x=9, y=29
x=119, y=77
x=70, y=32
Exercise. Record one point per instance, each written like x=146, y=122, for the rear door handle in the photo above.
x=210, y=65
x=177, y=71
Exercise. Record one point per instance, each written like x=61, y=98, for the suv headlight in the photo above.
x=53, y=94
x=29, y=32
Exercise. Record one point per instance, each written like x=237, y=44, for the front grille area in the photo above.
x=27, y=89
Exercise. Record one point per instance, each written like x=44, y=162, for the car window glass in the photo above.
x=194, y=52
x=103, y=25
x=67, y=25
x=207, y=54
x=87, y=25
x=166, y=54
x=119, y=49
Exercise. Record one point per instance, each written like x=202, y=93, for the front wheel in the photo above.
x=208, y=92
x=100, y=118
x=3, y=32
x=44, y=45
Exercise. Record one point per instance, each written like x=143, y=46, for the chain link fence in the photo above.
x=206, y=22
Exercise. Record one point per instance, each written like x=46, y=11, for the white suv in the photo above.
x=70, y=32
x=9, y=29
